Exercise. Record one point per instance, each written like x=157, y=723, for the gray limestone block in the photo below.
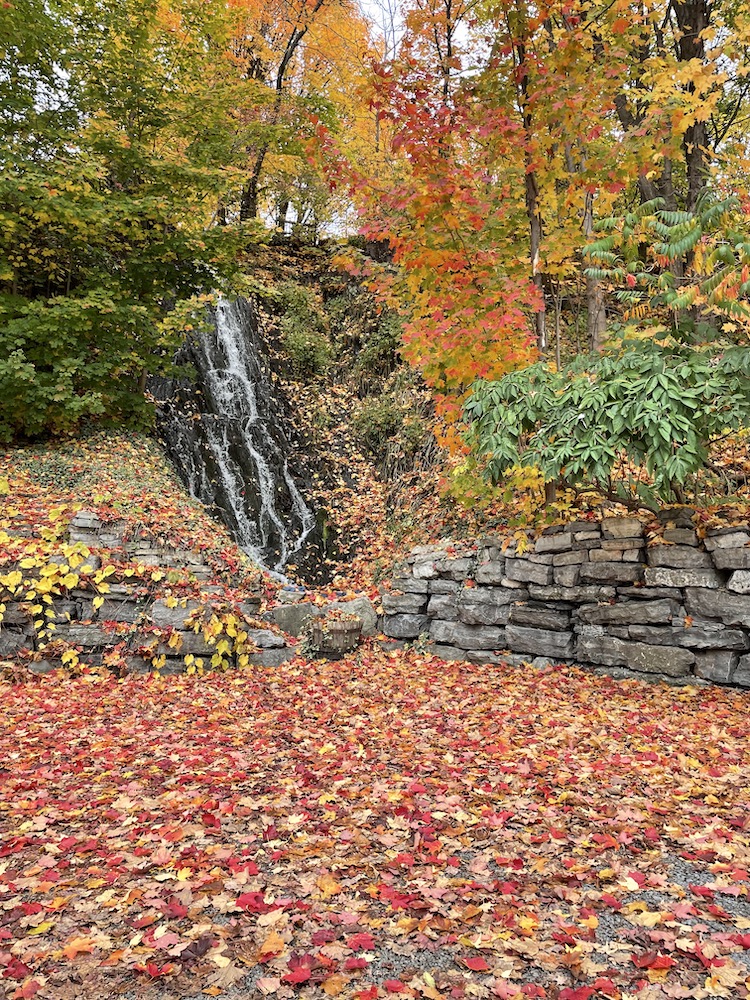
x=363, y=608
x=467, y=636
x=447, y=652
x=562, y=542
x=484, y=656
x=620, y=544
x=484, y=606
x=271, y=657
x=732, y=609
x=540, y=618
x=404, y=604
x=731, y=558
x=12, y=640
x=570, y=558
x=741, y=674
x=425, y=569
x=490, y=595
x=727, y=538
x=681, y=536
x=543, y=559
x=663, y=576
x=588, y=534
x=85, y=636
x=86, y=519
x=539, y=642
x=456, y=568
x=566, y=576
x=66, y=611
x=443, y=606
x=608, y=651
x=631, y=613
x=523, y=571
x=739, y=582
x=293, y=618
x=718, y=665
x=410, y=585
x=15, y=614
x=678, y=557
x=119, y=611
x=192, y=643
x=700, y=635
x=443, y=586
x=265, y=639
x=175, y=617
x=650, y=593
x=632, y=555
x=622, y=527
x=574, y=595
x=492, y=571
x=516, y=586
x=405, y=626
x=612, y=572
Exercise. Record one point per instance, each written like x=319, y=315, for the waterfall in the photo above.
x=226, y=438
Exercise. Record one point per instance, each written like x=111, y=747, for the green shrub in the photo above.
x=304, y=336
x=654, y=406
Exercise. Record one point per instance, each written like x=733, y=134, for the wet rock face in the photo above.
x=225, y=435
x=673, y=606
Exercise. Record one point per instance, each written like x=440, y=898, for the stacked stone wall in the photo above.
x=606, y=594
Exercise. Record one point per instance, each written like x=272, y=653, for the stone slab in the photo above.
x=467, y=636
x=641, y=613
x=539, y=642
x=405, y=626
x=671, y=661
x=717, y=665
x=404, y=604
x=523, y=571
x=678, y=557
x=663, y=576
x=732, y=609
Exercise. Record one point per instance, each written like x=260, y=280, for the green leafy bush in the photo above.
x=654, y=406
x=304, y=336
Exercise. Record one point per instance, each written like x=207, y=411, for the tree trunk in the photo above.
x=693, y=17
x=596, y=309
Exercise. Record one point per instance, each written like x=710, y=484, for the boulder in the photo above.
x=12, y=641
x=271, y=657
x=570, y=558
x=293, y=618
x=447, y=652
x=490, y=606
x=363, y=608
x=566, y=576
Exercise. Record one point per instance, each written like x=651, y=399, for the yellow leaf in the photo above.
x=98, y=601
x=335, y=984
x=328, y=886
x=42, y=928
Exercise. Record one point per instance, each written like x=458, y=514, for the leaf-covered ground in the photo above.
x=386, y=825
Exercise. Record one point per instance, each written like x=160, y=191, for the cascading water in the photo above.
x=226, y=438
